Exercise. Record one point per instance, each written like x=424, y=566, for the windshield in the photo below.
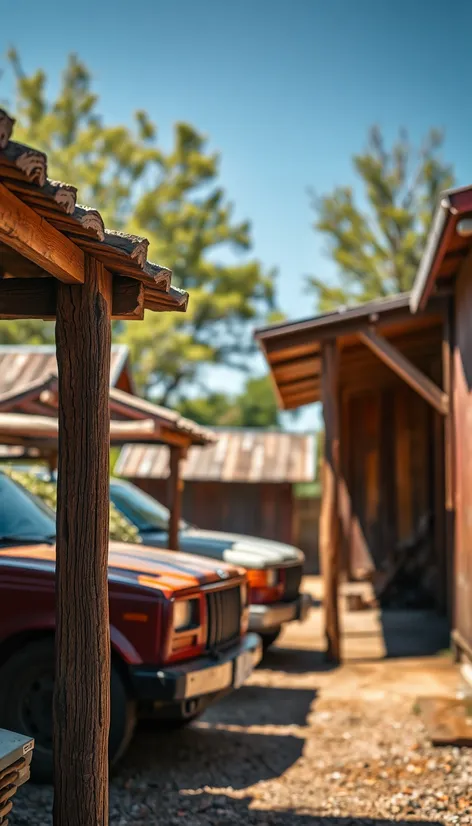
x=141, y=509
x=23, y=516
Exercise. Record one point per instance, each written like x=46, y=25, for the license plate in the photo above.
x=243, y=668
x=208, y=681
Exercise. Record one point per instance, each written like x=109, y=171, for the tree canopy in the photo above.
x=377, y=240
x=255, y=406
x=175, y=199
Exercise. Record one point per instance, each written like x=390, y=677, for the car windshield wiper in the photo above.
x=49, y=539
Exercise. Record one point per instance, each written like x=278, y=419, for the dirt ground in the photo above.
x=302, y=744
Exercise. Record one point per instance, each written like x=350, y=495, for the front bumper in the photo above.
x=265, y=618
x=204, y=675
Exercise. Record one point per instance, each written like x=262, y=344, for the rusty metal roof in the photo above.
x=238, y=456
x=23, y=171
x=23, y=364
x=40, y=391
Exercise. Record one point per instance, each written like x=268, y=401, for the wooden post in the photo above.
x=175, y=496
x=329, y=527
x=82, y=676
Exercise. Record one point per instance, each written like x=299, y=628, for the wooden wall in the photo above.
x=462, y=406
x=387, y=455
x=264, y=510
x=388, y=472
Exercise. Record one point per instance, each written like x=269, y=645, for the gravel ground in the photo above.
x=298, y=745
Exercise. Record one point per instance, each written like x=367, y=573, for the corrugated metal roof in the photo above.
x=20, y=365
x=237, y=456
x=23, y=171
x=41, y=391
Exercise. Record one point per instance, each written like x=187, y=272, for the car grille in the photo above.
x=293, y=578
x=224, y=616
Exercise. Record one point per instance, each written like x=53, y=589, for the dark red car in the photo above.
x=178, y=630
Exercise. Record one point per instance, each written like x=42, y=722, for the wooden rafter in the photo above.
x=22, y=229
x=407, y=371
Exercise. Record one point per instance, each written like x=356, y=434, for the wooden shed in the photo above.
x=243, y=483
x=378, y=370
x=447, y=265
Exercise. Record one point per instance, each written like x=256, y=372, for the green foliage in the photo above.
x=120, y=529
x=256, y=406
x=174, y=199
x=378, y=249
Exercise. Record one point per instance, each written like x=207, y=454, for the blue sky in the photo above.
x=285, y=89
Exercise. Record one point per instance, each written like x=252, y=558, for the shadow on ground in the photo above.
x=405, y=633
x=414, y=633
x=219, y=810
x=226, y=747
x=295, y=660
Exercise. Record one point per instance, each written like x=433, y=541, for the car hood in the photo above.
x=233, y=548
x=139, y=565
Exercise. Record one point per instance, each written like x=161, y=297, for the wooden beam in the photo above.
x=128, y=299
x=407, y=371
x=28, y=298
x=175, y=488
x=36, y=298
x=82, y=675
x=22, y=229
x=329, y=537
x=294, y=369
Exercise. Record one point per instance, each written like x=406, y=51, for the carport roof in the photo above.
x=293, y=349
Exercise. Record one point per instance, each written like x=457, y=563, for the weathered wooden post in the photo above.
x=329, y=538
x=175, y=495
x=82, y=676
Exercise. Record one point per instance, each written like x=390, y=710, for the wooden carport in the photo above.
x=165, y=427
x=57, y=261
x=378, y=371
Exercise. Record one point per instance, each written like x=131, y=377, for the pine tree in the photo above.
x=175, y=200
x=377, y=248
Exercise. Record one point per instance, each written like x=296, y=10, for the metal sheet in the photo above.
x=237, y=456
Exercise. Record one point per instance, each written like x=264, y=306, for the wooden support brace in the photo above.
x=407, y=371
x=36, y=298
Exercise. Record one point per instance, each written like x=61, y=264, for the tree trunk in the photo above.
x=329, y=523
x=82, y=676
x=175, y=497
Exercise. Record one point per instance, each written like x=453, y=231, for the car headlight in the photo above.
x=272, y=578
x=183, y=614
